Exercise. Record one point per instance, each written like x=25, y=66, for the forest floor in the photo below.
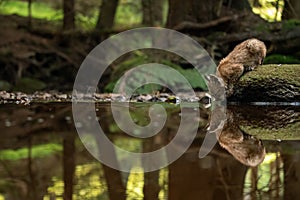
x=38, y=58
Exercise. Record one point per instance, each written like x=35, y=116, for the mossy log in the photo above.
x=268, y=122
x=269, y=83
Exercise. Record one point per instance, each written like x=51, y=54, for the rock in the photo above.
x=269, y=83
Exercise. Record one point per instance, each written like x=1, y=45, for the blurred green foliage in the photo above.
x=281, y=59
x=37, y=151
x=262, y=28
x=138, y=58
x=29, y=85
x=267, y=9
x=4, y=85
x=290, y=24
x=128, y=13
x=40, y=10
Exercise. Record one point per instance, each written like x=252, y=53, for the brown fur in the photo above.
x=245, y=57
x=245, y=148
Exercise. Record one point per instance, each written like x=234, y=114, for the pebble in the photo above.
x=22, y=98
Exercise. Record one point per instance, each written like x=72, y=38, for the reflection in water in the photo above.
x=245, y=148
x=41, y=157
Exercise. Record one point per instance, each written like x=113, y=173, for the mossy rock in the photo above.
x=269, y=83
x=290, y=132
x=269, y=122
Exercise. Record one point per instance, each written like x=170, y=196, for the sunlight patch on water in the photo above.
x=265, y=177
x=135, y=184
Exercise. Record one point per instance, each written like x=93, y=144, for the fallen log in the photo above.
x=269, y=83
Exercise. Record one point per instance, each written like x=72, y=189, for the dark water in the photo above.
x=257, y=155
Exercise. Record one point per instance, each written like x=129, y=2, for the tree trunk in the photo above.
x=192, y=11
x=213, y=177
x=202, y=11
x=115, y=186
x=107, y=14
x=29, y=14
x=68, y=165
x=239, y=4
x=291, y=167
x=291, y=9
x=69, y=15
x=152, y=12
x=151, y=179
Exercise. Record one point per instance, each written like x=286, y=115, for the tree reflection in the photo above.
x=68, y=165
x=291, y=169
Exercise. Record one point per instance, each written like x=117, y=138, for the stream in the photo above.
x=42, y=155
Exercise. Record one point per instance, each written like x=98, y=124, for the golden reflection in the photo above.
x=89, y=184
x=163, y=183
x=136, y=187
x=265, y=180
x=135, y=184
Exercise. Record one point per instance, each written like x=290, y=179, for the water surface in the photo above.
x=257, y=156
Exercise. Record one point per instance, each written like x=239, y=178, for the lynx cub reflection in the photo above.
x=244, y=57
x=245, y=148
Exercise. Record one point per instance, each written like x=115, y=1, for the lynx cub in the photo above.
x=245, y=57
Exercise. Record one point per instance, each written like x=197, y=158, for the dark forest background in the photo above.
x=44, y=42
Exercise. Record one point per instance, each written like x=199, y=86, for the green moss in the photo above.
x=290, y=132
x=271, y=73
x=269, y=83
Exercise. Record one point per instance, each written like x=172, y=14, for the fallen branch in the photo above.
x=280, y=42
x=213, y=23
